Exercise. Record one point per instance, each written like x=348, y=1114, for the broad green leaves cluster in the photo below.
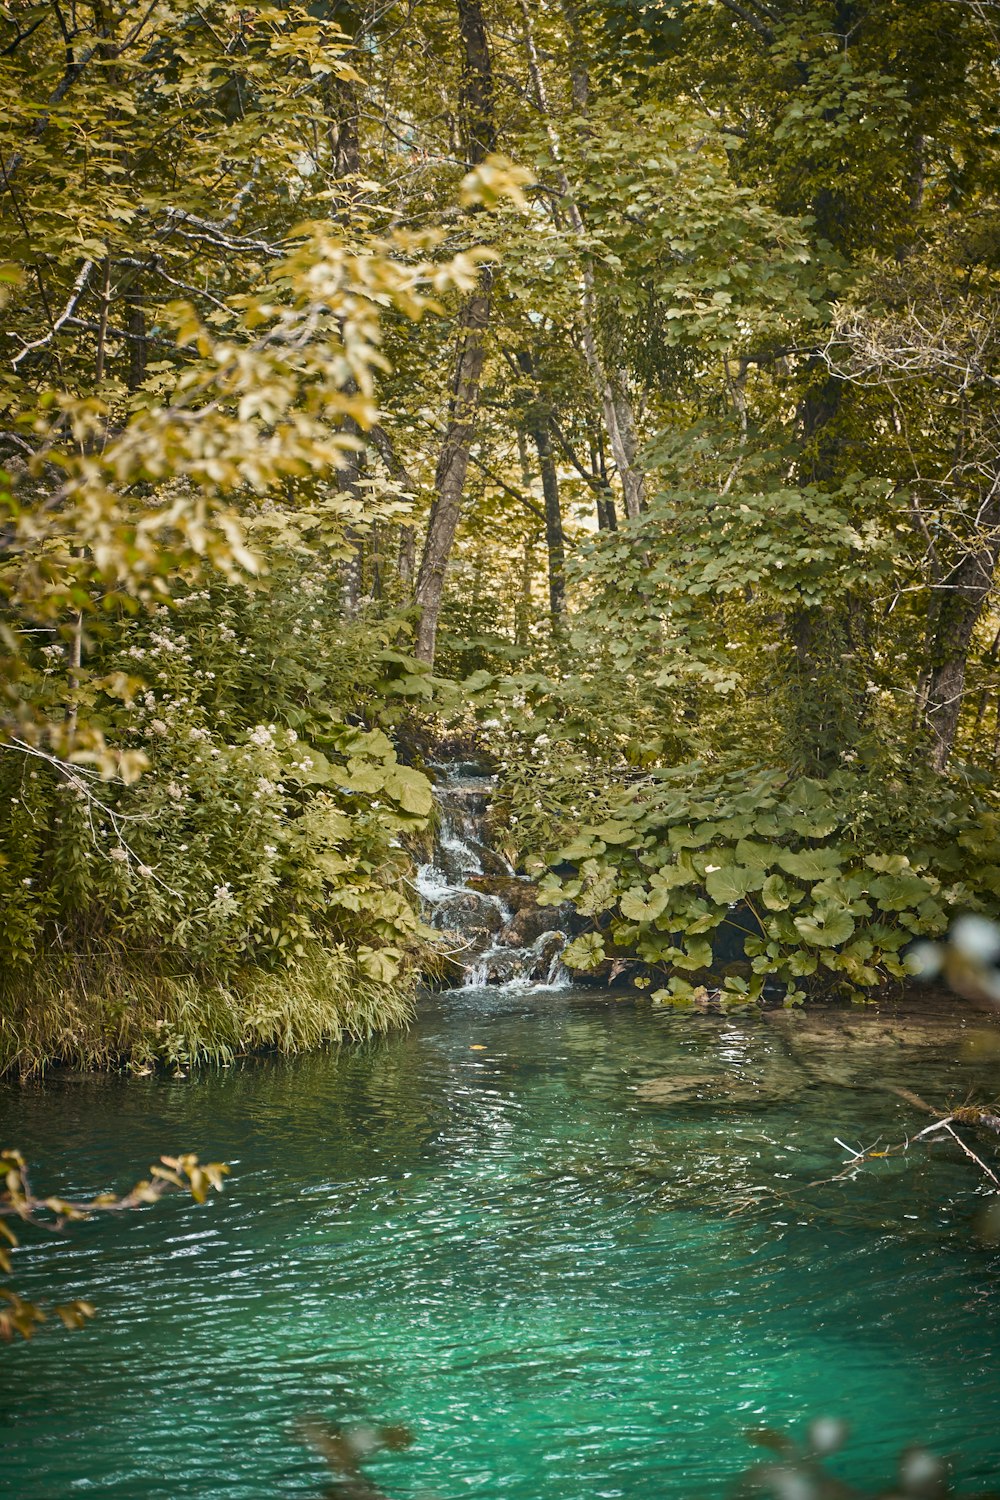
x=756, y=881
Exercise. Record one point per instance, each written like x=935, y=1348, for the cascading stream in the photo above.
x=501, y=936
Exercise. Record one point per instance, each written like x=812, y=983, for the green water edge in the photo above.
x=580, y=1262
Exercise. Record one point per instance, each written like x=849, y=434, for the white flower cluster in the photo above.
x=169, y=644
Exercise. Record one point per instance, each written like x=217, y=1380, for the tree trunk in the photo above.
x=341, y=105
x=607, y=517
x=476, y=114
x=965, y=591
x=523, y=611
x=348, y=478
x=406, y=556
x=475, y=100
x=138, y=349
x=539, y=418
x=613, y=395
x=406, y=560
x=555, y=542
x=449, y=480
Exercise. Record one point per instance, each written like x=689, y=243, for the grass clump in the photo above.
x=107, y=1009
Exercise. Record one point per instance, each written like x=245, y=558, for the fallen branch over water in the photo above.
x=946, y=1124
x=967, y=1115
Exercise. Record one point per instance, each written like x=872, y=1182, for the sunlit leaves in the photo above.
x=585, y=952
x=18, y=1316
x=828, y=926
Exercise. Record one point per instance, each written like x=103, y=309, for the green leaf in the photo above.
x=615, y=833
x=381, y=964
x=887, y=864
x=585, y=952
x=410, y=789
x=362, y=777
x=828, y=927
x=638, y=905
x=730, y=883
x=811, y=864
x=775, y=893
x=697, y=954
x=582, y=847
x=897, y=892
x=754, y=854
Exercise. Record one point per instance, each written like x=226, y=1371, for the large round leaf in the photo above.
x=640, y=906
x=826, y=927
x=811, y=864
x=776, y=893
x=730, y=883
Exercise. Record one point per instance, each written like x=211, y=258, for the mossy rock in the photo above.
x=519, y=895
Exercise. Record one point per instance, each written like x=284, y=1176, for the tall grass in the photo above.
x=105, y=1008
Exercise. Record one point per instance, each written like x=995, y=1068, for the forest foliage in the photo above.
x=616, y=385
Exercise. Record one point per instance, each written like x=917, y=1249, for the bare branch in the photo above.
x=79, y=287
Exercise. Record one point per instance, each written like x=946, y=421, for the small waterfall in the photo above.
x=500, y=935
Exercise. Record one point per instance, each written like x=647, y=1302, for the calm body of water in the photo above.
x=579, y=1262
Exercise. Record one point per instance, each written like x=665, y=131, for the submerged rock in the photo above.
x=711, y=1088
x=885, y=1046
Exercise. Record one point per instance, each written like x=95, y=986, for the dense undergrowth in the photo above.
x=728, y=785
x=753, y=878
x=250, y=888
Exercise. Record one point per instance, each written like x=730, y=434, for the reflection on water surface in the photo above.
x=578, y=1262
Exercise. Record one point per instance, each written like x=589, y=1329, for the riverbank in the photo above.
x=112, y=1012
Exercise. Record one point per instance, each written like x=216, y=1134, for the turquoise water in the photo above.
x=580, y=1262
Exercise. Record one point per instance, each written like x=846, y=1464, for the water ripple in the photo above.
x=579, y=1263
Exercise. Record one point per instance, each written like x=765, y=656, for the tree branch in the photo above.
x=79, y=287
x=763, y=31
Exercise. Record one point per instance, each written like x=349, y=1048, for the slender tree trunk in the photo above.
x=449, y=480
x=522, y=623
x=607, y=516
x=406, y=556
x=479, y=131
x=965, y=591
x=613, y=395
x=138, y=348
x=555, y=542
x=578, y=76
x=341, y=107
x=348, y=483
x=539, y=419
x=406, y=559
